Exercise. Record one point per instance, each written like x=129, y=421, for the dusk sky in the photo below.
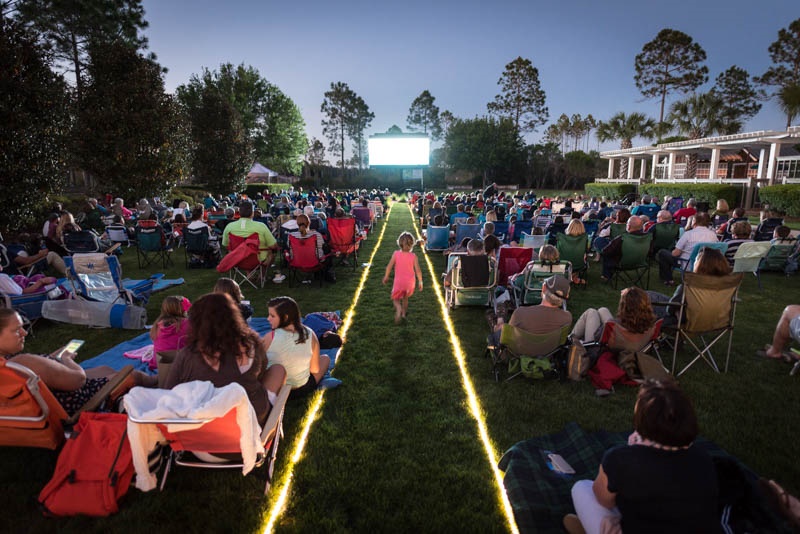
x=389, y=52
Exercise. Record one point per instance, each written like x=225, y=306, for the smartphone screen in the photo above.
x=74, y=345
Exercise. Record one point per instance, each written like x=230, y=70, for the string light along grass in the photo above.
x=472, y=398
x=316, y=405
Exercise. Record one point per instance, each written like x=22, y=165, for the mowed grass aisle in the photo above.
x=394, y=448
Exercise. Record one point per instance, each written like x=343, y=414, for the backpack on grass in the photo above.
x=94, y=469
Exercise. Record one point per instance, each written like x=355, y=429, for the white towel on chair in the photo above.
x=192, y=400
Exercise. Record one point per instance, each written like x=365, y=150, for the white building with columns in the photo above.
x=750, y=160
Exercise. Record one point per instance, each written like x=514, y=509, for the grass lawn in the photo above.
x=395, y=448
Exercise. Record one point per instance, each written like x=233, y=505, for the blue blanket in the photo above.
x=115, y=356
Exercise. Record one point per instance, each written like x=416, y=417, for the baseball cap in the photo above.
x=558, y=286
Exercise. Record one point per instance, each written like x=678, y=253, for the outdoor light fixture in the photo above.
x=311, y=415
x=472, y=398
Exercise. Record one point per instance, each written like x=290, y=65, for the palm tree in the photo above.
x=789, y=101
x=697, y=116
x=625, y=128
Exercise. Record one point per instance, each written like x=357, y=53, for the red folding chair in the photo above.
x=302, y=258
x=512, y=260
x=242, y=262
x=216, y=443
x=344, y=239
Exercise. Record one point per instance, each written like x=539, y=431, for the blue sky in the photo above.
x=389, y=52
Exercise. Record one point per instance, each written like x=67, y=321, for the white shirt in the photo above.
x=700, y=234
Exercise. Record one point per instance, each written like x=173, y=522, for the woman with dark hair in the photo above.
x=222, y=349
x=69, y=382
x=294, y=346
x=634, y=314
x=659, y=481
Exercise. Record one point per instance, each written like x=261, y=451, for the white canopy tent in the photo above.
x=258, y=171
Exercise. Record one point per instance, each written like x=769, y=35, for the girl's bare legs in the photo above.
x=405, y=306
x=398, y=310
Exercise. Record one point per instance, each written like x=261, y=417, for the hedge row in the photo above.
x=610, y=191
x=783, y=198
x=701, y=192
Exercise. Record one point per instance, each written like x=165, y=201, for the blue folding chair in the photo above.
x=463, y=230
x=520, y=227
x=688, y=265
x=438, y=238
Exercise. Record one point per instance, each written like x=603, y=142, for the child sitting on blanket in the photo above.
x=231, y=288
x=170, y=330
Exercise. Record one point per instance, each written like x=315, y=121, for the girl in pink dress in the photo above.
x=406, y=268
x=170, y=330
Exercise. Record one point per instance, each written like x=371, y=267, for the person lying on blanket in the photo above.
x=71, y=385
x=659, y=481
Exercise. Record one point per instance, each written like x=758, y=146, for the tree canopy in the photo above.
x=670, y=62
x=271, y=120
x=71, y=26
x=522, y=98
x=785, y=71
x=129, y=134
x=738, y=97
x=423, y=115
x=34, y=115
x=489, y=146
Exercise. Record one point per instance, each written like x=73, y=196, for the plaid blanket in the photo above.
x=539, y=496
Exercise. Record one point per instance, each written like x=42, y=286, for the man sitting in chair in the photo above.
x=612, y=253
x=668, y=259
x=246, y=226
x=544, y=318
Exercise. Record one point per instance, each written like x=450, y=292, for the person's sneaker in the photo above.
x=279, y=278
x=329, y=383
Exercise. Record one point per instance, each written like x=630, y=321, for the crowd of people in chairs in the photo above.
x=708, y=248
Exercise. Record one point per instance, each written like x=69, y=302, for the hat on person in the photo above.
x=558, y=286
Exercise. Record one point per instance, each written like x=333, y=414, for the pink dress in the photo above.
x=171, y=337
x=404, y=278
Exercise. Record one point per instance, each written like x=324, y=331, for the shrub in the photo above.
x=783, y=198
x=701, y=192
x=610, y=191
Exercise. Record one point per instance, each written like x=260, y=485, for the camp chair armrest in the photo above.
x=94, y=403
x=667, y=304
x=275, y=413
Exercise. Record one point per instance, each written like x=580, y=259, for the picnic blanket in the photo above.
x=540, y=497
x=115, y=356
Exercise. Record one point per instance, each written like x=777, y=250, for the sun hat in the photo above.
x=558, y=286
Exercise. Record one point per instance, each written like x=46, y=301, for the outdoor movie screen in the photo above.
x=399, y=150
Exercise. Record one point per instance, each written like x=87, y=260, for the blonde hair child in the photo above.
x=406, y=268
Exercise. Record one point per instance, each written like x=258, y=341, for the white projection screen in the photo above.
x=399, y=150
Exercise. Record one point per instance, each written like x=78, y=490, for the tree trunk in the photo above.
x=691, y=166
x=342, y=148
x=623, y=169
x=76, y=60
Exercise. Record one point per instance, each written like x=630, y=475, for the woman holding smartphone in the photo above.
x=69, y=382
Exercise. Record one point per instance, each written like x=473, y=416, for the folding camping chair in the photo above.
x=777, y=256
x=98, y=277
x=302, y=258
x=152, y=245
x=534, y=275
x=30, y=416
x=82, y=242
x=464, y=230
x=512, y=260
x=634, y=263
x=196, y=250
x=344, y=240
x=674, y=204
x=472, y=281
x=28, y=306
x=242, y=262
x=501, y=231
x=521, y=227
x=437, y=238
x=665, y=235
x=216, y=443
x=542, y=221
x=573, y=249
x=363, y=215
x=688, y=265
x=617, y=229
x=533, y=241
x=748, y=258
x=708, y=307
x=617, y=338
x=118, y=233
x=516, y=343
x=766, y=229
